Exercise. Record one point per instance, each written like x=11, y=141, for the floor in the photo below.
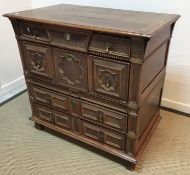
x=25, y=150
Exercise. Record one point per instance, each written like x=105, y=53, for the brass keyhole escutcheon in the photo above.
x=67, y=36
x=73, y=102
x=101, y=117
x=108, y=46
x=35, y=33
x=107, y=83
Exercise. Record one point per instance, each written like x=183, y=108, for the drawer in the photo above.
x=44, y=96
x=110, y=78
x=34, y=31
x=71, y=69
x=52, y=116
x=63, y=120
x=103, y=136
x=39, y=59
x=43, y=113
x=110, y=45
x=104, y=116
x=67, y=104
x=70, y=38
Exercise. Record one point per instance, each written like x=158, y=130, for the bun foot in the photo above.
x=39, y=126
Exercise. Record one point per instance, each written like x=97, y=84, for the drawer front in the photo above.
x=110, y=78
x=34, y=31
x=39, y=59
x=71, y=69
x=44, y=113
x=104, y=116
x=110, y=45
x=52, y=116
x=103, y=136
x=70, y=38
x=50, y=98
x=63, y=120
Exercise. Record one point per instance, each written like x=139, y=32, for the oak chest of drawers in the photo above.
x=95, y=74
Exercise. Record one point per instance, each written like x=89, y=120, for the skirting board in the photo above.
x=175, y=105
x=11, y=89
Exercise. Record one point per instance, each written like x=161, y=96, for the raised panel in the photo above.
x=114, y=140
x=69, y=38
x=45, y=96
x=110, y=78
x=110, y=45
x=44, y=113
x=71, y=69
x=61, y=102
x=63, y=120
x=90, y=112
x=39, y=59
x=115, y=120
x=34, y=31
x=90, y=131
x=104, y=116
x=103, y=136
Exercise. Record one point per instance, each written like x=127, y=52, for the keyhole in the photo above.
x=107, y=84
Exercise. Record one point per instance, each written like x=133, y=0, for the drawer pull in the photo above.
x=35, y=33
x=107, y=83
x=101, y=136
x=48, y=98
x=108, y=46
x=101, y=116
x=28, y=29
x=38, y=61
x=73, y=102
x=67, y=36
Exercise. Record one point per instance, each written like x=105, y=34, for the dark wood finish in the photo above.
x=99, y=19
x=38, y=59
x=95, y=74
x=71, y=68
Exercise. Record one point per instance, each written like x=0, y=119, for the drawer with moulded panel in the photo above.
x=104, y=116
x=35, y=32
x=103, y=136
x=110, y=46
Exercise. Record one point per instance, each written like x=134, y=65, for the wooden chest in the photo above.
x=95, y=74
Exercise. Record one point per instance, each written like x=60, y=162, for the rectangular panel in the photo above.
x=115, y=120
x=44, y=113
x=90, y=112
x=70, y=38
x=153, y=65
x=114, y=140
x=34, y=31
x=104, y=116
x=110, y=78
x=110, y=45
x=60, y=101
x=63, y=120
x=90, y=131
x=104, y=136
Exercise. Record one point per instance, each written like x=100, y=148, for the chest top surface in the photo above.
x=99, y=19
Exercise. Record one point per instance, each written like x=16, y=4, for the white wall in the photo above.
x=11, y=74
x=176, y=89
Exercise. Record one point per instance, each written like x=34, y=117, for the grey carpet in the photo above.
x=25, y=150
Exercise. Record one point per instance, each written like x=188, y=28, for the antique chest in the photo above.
x=95, y=74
